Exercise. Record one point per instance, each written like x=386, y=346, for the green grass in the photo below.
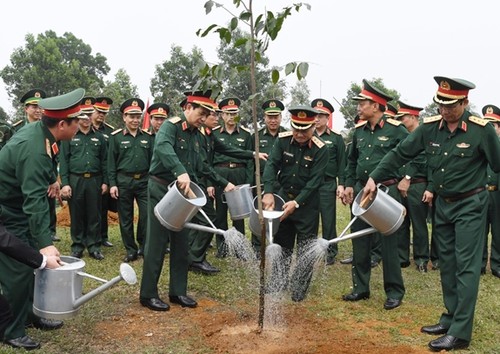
x=235, y=285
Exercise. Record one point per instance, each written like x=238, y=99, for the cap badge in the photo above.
x=272, y=104
x=135, y=103
x=88, y=102
x=301, y=115
x=37, y=94
x=444, y=85
x=319, y=104
x=104, y=101
x=160, y=110
x=489, y=110
x=230, y=102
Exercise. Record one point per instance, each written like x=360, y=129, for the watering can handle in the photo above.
x=383, y=187
x=223, y=197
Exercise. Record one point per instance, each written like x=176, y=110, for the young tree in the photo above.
x=300, y=94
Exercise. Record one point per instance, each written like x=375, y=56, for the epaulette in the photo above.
x=202, y=130
x=394, y=122
x=360, y=124
x=146, y=131
x=432, y=119
x=116, y=131
x=17, y=123
x=174, y=120
x=480, y=121
x=285, y=134
x=109, y=125
x=318, y=142
x=334, y=131
x=246, y=129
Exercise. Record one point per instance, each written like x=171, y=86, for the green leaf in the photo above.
x=245, y=16
x=207, y=30
x=275, y=75
x=208, y=6
x=302, y=70
x=258, y=57
x=234, y=23
x=240, y=41
x=290, y=68
x=241, y=68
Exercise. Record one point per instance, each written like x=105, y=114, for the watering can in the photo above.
x=239, y=201
x=272, y=217
x=58, y=292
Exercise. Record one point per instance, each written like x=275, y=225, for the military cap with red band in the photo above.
x=87, y=105
x=302, y=117
x=371, y=93
x=132, y=106
x=390, y=110
x=451, y=90
x=230, y=105
x=323, y=106
x=63, y=106
x=491, y=112
x=405, y=109
x=159, y=109
x=202, y=98
x=102, y=104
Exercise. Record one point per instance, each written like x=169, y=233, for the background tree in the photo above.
x=175, y=76
x=3, y=115
x=300, y=94
x=234, y=65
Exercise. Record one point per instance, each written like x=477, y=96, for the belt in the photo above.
x=137, y=175
x=231, y=165
x=159, y=180
x=458, y=197
x=390, y=182
x=87, y=174
x=492, y=188
x=418, y=180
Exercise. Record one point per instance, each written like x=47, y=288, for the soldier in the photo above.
x=158, y=112
x=236, y=171
x=129, y=157
x=33, y=111
x=176, y=158
x=492, y=113
x=6, y=132
x=329, y=189
x=300, y=157
x=98, y=118
x=373, y=137
x=391, y=110
x=27, y=171
x=267, y=136
x=84, y=177
x=458, y=147
x=416, y=191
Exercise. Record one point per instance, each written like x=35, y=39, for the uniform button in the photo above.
x=370, y=145
x=445, y=154
x=367, y=158
x=366, y=171
x=440, y=186
x=293, y=175
x=442, y=170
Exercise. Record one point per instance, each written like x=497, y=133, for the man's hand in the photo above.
x=347, y=198
x=369, y=190
x=211, y=192
x=403, y=187
x=183, y=182
x=288, y=208
x=66, y=192
x=104, y=189
x=340, y=192
x=113, y=192
x=229, y=187
x=428, y=197
x=54, y=190
x=50, y=251
x=268, y=201
x=53, y=262
x=263, y=156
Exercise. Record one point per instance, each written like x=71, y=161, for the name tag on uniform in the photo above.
x=328, y=141
x=76, y=139
x=433, y=144
x=144, y=141
x=94, y=139
x=125, y=142
x=240, y=139
x=463, y=146
x=383, y=138
x=308, y=158
x=286, y=153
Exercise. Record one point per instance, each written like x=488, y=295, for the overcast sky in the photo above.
x=405, y=43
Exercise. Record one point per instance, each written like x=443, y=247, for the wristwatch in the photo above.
x=297, y=205
x=408, y=177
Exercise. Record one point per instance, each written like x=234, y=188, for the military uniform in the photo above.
x=457, y=161
x=129, y=159
x=27, y=170
x=6, y=132
x=83, y=167
x=369, y=146
x=335, y=169
x=301, y=170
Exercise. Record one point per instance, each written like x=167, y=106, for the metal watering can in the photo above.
x=58, y=292
x=239, y=201
x=272, y=217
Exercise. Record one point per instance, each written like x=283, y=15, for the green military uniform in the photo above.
x=6, y=132
x=199, y=240
x=178, y=148
x=457, y=162
x=129, y=159
x=236, y=170
x=27, y=170
x=368, y=148
x=83, y=166
x=301, y=170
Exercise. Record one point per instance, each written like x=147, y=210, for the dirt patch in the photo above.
x=234, y=329
x=63, y=218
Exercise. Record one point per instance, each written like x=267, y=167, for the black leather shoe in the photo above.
x=203, y=267
x=405, y=264
x=140, y=253
x=390, y=304
x=298, y=297
x=496, y=273
x=183, y=300
x=374, y=263
x=330, y=260
x=347, y=260
x=167, y=251
x=483, y=270
x=434, y=329
x=447, y=342
x=24, y=342
x=422, y=268
x=356, y=297
x=130, y=257
x=435, y=265
x=46, y=324
x=155, y=304
x=77, y=254
x=97, y=255
x=55, y=238
x=107, y=244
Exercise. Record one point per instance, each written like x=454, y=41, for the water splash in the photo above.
x=237, y=245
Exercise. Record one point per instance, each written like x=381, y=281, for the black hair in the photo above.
x=52, y=122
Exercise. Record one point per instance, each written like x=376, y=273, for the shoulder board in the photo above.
x=480, y=121
x=245, y=129
x=116, y=131
x=174, y=120
x=318, y=142
x=360, y=124
x=285, y=134
x=17, y=123
x=109, y=125
x=432, y=119
x=146, y=131
x=335, y=132
x=394, y=122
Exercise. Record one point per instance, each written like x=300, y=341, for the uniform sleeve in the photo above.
x=112, y=157
x=19, y=250
x=352, y=158
x=341, y=160
x=104, y=160
x=490, y=145
x=250, y=165
x=273, y=165
x=165, y=151
x=64, y=163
